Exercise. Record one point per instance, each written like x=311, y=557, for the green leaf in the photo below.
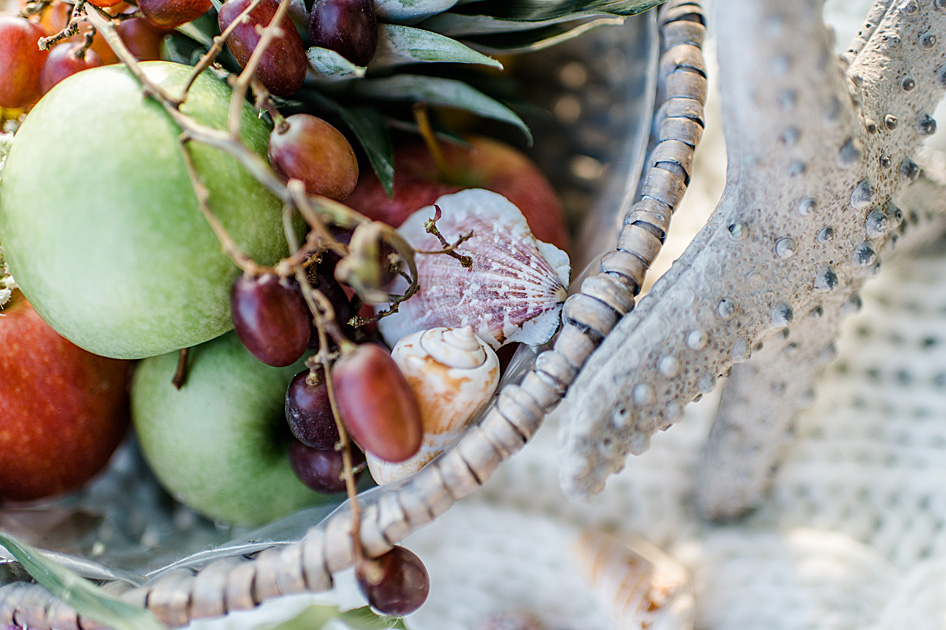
x=399, y=45
x=460, y=24
x=365, y=619
x=410, y=10
x=439, y=91
x=331, y=65
x=550, y=9
x=88, y=599
x=540, y=38
x=203, y=38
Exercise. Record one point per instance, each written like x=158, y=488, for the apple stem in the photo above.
x=180, y=373
x=430, y=139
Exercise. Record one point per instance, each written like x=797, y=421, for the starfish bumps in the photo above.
x=820, y=152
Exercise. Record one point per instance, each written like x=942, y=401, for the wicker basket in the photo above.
x=142, y=549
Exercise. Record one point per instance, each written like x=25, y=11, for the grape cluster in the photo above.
x=348, y=27
x=371, y=397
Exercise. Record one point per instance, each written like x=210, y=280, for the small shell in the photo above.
x=639, y=586
x=515, y=290
x=453, y=374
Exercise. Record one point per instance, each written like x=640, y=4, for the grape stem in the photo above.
x=72, y=28
x=207, y=59
x=238, y=96
x=326, y=325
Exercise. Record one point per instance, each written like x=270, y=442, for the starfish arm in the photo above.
x=763, y=396
x=923, y=206
x=805, y=211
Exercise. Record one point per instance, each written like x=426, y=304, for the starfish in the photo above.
x=822, y=180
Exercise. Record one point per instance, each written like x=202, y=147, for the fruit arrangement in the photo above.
x=148, y=207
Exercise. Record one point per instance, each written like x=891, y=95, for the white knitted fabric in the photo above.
x=852, y=534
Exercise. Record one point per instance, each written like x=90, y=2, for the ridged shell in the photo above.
x=515, y=290
x=640, y=587
x=453, y=374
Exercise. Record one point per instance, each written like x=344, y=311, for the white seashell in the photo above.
x=453, y=374
x=639, y=586
x=515, y=290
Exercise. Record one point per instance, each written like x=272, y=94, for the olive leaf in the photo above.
x=550, y=9
x=398, y=44
x=539, y=39
x=460, y=24
x=331, y=65
x=439, y=91
x=409, y=10
x=86, y=598
x=365, y=619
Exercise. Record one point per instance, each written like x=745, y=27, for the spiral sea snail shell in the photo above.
x=453, y=374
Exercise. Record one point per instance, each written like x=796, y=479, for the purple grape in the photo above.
x=329, y=286
x=349, y=27
x=309, y=412
x=321, y=470
x=271, y=319
x=396, y=583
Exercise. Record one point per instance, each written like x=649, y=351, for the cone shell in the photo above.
x=517, y=285
x=453, y=374
x=640, y=587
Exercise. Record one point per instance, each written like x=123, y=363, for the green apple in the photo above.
x=99, y=222
x=220, y=443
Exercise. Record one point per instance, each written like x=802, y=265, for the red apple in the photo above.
x=62, y=410
x=485, y=163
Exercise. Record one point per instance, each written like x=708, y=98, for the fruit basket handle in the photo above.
x=238, y=583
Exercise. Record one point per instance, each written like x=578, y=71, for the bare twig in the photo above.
x=239, y=258
x=448, y=248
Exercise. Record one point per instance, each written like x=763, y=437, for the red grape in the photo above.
x=142, y=39
x=395, y=583
x=308, y=411
x=21, y=62
x=377, y=404
x=169, y=14
x=270, y=318
x=309, y=149
x=62, y=63
x=321, y=470
x=282, y=69
x=349, y=27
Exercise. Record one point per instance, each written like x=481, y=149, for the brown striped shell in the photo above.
x=517, y=285
x=453, y=374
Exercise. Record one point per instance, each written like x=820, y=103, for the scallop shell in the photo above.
x=453, y=374
x=640, y=587
x=515, y=290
